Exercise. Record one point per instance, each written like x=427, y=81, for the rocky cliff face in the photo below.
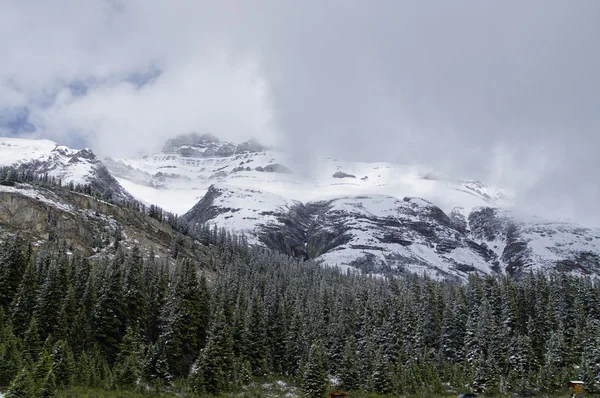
x=87, y=225
x=46, y=157
x=364, y=216
x=207, y=145
x=382, y=234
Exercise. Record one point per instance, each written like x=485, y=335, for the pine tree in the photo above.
x=109, y=320
x=135, y=300
x=50, y=296
x=293, y=346
x=12, y=266
x=157, y=283
x=22, y=386
x=84, y=370
x=381, y=378
x=453, y=331
x=42, y=367
x=10, y=356
x=23, y=305
x=156, y=366
x=63, y=364
x=314, y=383
x=48, y=387
x=349, y=373
x=215, y=366
x=255, y=337
x=32, y=342
x=128, y=367
x=183, y=327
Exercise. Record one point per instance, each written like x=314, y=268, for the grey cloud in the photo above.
x=453, y=84
x=502, y=91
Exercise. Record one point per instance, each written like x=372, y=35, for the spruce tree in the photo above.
x=63, y=364
x=23, y=305
x=128, y=367
x=84, y=370
x=314, y=382
x=216, y=362
x=182, y=320
x=381, y=378
x=48, y=387
x=12, y=266
x=32, y=342
x=10, y=356
x=156, y=366
x=135, y=300
x=50, y=296
x=22, y=386
x=42, y=367
x=255, y=337
x=109, y=322
x=349, y=372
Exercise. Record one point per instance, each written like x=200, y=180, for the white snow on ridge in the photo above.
x=250, y=208
x=176, y=183
x=60, y=159
x=44, y=196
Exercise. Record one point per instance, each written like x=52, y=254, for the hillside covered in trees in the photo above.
x=214, y=323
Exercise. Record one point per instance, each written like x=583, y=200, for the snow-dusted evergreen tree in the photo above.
x=50, y=296
x=23, y=304
x=10, y=356
x=314, y=382
x=12, y=266
x=109, y=311
x=382, y=377
x=256, y=349
x=135, y=300
x=22, y=386
x=183, y=326
x=63, y=364
x=349, y=373
x=128, y=368
x=215, y=366
x=453, y=330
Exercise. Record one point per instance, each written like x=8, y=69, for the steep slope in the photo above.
x=352, y=214
x=68, y=165
x=383, y=234
x=178, y=177
x=85, y=224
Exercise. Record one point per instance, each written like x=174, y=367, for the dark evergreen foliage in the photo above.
x=212, y=319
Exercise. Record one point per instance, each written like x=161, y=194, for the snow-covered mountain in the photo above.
x=377, y=217
x=177, y=177
x=62, y=163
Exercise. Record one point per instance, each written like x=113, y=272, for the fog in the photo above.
x=502, y=91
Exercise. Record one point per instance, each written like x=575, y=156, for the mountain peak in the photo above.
x=207, y=145
x=63, y=163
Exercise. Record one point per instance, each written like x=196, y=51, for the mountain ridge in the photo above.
x=374, y=217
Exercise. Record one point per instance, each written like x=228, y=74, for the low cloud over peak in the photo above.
x=506, y=92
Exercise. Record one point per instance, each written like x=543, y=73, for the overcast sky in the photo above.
x=503, y=91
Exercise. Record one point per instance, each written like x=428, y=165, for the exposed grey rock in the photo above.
x=341, y=174
x=205, y=210
x=218, y=174
x=195, y=145
x=100, y=179
x=488, y=241
x=276, y=168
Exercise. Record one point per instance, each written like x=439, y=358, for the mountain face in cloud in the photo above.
x=504, y=92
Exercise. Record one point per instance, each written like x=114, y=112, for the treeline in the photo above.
x=135, y=323
x=11, y=176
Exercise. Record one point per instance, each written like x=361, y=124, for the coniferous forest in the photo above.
x=237, y=313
